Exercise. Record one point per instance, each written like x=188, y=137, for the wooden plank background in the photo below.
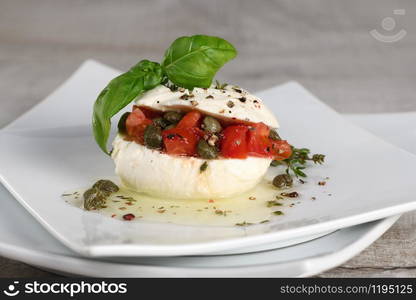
x=323, y=44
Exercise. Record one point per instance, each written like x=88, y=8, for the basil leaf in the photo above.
x=193, y=61
x=119, y=93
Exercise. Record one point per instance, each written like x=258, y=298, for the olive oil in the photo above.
x=246, y=209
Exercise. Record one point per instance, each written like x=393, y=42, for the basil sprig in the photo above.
x=189, y=62
x=193, y=61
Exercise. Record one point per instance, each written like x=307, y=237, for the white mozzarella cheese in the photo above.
x=163, y=175
x=230, y=102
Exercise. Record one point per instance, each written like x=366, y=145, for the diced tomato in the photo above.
x=234, y=121
x=149, y=112
x=191, y=119
x=237, y=140
x=234, y=142
x=199, y=132
x=136, y=123
x=181, y=141
x=281, y=150
x=258, y=142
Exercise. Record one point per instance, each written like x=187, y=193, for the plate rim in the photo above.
x=72, y=265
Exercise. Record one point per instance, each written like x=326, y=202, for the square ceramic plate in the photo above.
x=50, y=149
x=21, y=238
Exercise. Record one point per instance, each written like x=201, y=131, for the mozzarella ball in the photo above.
x=159, y=174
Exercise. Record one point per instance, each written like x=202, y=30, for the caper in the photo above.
x=106, y=186
x=170, y=126
x=275, y=163
x=283, y=180
x=273, y=135
x=122, y=123
x=160, y=122
x=94, y=199
x=211, y=125
x=153, y=137
x=172, y=116
x=206, y=151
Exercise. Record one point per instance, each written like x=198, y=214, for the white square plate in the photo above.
x=50, y=149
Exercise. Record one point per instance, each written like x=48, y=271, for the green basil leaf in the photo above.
x=119, y=93
x=193, y=61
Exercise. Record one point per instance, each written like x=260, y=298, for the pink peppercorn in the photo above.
x=128, y=217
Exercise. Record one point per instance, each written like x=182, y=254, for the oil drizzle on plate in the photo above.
x=256, y=206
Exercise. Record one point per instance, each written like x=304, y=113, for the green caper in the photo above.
x=172, y=116
x=275, y=163
x=273, y=135
x=206, y=151
x=106, y=186
x=94, y=199
x=282, y=181
x=160, y=122
x=170, y=126
x=211, y=125
x=153, y=137
x=122, y=123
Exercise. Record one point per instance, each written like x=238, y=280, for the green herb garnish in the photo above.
x=203, y=167
x=273, y=203
x=220, y=212
x=220, y=86
x=244, y=223
x=297, y=162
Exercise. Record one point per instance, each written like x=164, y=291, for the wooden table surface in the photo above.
x=325, y=45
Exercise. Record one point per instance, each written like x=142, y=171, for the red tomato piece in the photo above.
x=149, y=112
x=281, y=150
x=136, y=123
x=199, y=132
x=234, y=142
x=258, y=142
x=181, y=141
x=191, y=119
